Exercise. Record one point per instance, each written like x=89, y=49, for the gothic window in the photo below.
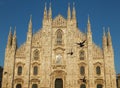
x=59, y=37
x=83, y=86
x=34, y=86
x=99, y=86
x=36, y=54
x=98, y=71
x=35, y=70
x=19, y=70
x=82, y=55
x=18, y=86
x=82, y=70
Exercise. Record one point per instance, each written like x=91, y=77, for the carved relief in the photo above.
x=59, y=21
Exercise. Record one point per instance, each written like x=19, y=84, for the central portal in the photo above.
x=58, y=83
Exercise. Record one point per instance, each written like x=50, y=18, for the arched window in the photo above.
x=82, y=55
x=36, y=54
x=82, y=70
x=83, y=86
x=18, y=86
x=35, y=70
x=98, y=71
x=34, y=86
x=99, y=86
x=19, y=70
x=59, y=37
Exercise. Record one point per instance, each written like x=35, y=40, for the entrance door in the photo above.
x=99, y=86
x=58, y=83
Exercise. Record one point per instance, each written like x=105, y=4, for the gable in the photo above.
x=59, y=21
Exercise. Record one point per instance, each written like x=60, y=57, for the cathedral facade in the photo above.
x=59, y=55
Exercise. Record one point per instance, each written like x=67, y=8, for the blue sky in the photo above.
x=103, y=13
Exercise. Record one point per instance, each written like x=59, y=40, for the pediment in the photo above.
x=59, y=21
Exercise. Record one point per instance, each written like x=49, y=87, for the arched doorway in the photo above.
x=58, y=83
x=99, y=86
x=18, y=86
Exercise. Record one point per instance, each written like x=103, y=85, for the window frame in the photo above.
x=35, y=70
x=59, y=37
x=98, y=70
x=19, y=70
x=82, y=70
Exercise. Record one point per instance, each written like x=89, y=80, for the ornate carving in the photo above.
x=59, y=21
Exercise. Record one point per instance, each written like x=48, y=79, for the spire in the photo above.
x=69, y=12
x=30, y=25
x=14, y=33
x=109, y=37
x=9, y=43
x=14, y=39
x=45, y=12
x=88, y=25
x=73, y=12
x=104, y=39
x=50, y=12
x=104, y=32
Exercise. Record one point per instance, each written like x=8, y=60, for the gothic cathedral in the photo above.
x=59, y=55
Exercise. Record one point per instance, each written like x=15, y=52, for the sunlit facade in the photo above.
x=51, y=58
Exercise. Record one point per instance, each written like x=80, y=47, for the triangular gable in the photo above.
x=59, y=21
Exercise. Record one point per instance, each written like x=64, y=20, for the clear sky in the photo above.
x=103, y=13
